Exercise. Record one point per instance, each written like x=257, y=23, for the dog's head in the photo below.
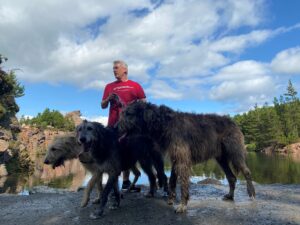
x=88, y=133
x=61, y=149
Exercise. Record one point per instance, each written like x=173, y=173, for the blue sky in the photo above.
x=205, y=56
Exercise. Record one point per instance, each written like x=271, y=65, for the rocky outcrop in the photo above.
x=290, y=149
x=35, y=140
x=75, y=117
x=26, y=143
x=293, y=150
x=5, y=153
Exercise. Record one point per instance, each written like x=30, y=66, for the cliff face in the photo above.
x=35, y=140
x=75, y=117
x=28, y=143
x=5, y=153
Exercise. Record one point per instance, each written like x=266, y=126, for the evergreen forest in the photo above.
x=276, y=126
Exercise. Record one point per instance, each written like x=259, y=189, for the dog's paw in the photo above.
x=96, y=201
x=181, y=208
x=251, y=192
x=252, y=198
x=149, y=195
x=84, y=202
x=228, y=197
x=96, y=215
x=170, y=201
x=114, y=206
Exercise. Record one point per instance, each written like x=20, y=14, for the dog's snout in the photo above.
x=82, y=140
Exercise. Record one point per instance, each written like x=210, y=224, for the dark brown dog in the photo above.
x=189, y=139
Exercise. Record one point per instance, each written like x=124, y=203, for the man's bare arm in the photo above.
x=104, y=103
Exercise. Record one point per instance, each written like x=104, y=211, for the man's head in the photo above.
x=120, y=69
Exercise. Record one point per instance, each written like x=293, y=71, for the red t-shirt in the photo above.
x=127, y=91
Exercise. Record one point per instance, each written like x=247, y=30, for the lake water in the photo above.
x=265, y=169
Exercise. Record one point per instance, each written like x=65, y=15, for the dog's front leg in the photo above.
x=108, y=187
x=88, y=190
x=116, y=203
x=99, y=188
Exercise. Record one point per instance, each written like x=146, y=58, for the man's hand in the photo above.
x=112, y=98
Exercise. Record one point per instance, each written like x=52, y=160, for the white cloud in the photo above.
x=242, y=70
x=246, y=12
x=246, y=82
x=51, y=42
x=99, y=119
x=162, y=90
x=189, y=45
x=287, y=61
x=240, y=42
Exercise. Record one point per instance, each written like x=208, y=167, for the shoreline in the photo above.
x=274, y=204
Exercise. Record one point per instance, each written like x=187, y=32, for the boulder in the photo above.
x=3, y=171
x=75, y=117
x=3, y=145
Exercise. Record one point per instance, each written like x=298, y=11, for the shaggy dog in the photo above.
x=113, y=156
x=189, y=139
x=65, y=147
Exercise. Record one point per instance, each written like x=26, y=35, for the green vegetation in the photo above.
x=275, y=126
x=10, y=89
x=50, y=118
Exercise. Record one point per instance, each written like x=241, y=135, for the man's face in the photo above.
x=119, y=71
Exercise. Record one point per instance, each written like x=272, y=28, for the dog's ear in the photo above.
x=99, y=129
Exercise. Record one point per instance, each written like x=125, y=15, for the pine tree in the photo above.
x=10, y=89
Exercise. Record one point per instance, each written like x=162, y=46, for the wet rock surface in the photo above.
x=274, y=204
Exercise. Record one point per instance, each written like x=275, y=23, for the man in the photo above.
x=127, y=91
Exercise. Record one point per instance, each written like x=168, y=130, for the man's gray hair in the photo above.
x=121, y=63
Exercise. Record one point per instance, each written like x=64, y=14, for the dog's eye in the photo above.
x=53, y=149
x=89, y=128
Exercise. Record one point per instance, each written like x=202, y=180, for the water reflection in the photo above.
x=69, y=176
x=266, y=169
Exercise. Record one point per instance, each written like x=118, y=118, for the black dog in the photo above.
x=188, y=139
x=113, y=156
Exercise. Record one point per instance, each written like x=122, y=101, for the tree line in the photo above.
x=49, y=118
x=272, y=126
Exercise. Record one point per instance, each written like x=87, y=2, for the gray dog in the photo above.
x=189, y=139
x=113, y=156
x=65, y=147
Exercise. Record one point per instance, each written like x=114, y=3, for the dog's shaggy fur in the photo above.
x=65, y=147
x=113, y=156
x=189, y=139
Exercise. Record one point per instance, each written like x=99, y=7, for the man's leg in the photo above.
x=126, y=182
